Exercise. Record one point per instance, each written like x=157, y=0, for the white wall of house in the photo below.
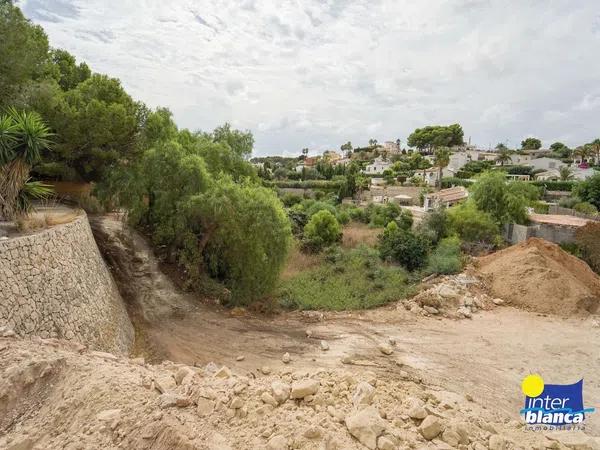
x=545, y=163
x=378, y=166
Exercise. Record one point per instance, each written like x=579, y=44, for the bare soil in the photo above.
x=484, y=358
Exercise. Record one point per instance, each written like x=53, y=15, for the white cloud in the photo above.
x=320, y=72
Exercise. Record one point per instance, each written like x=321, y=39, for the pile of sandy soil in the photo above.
x=539, y=276
x=58, y=395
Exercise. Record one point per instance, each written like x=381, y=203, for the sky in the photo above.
x=317, y=73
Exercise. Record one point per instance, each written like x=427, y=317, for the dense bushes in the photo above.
x=403, y=246
x=449, y=182
x=587, y=239
x=347, y=279
x=321, y=231
x=193, y=197
x=556, y=185
x=473, y=225
x=331, y=185
x=446, y=258
x=589, y=190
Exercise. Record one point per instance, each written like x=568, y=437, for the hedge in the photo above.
x=307, y=184
x=555, y=185
x=454, y=181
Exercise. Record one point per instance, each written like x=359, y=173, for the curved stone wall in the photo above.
x=55, y=284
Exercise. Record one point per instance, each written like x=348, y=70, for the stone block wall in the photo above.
x=55, y=284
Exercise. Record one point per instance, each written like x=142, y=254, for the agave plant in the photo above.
x=23, y=136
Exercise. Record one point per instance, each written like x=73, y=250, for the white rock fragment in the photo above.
x=363, y=396
x=324, y=346
x=431, y=427
x=304, y=388
x=366, y=426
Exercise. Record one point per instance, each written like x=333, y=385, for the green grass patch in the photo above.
x=346, y=280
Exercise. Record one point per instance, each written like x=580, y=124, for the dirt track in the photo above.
x=485, y=357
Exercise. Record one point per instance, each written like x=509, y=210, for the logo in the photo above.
x=553, y=406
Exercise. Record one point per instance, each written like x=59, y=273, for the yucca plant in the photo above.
x=23, y=136
x=31, y=190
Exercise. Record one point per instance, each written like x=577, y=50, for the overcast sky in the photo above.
x=316, y=73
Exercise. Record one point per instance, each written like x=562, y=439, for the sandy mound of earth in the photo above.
x=538, y=275
x=57, y=395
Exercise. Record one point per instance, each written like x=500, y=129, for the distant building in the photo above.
x=392, y=148
x=378, y=166
x=445, y=197
x=546, y=164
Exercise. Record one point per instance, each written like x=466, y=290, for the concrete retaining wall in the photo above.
x=55, y=284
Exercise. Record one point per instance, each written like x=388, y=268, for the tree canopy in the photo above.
x=431, y=137
x=531, y=143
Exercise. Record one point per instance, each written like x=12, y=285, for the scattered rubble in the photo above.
x=55, y=395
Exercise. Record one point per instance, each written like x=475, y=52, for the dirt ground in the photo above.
x=485, y=357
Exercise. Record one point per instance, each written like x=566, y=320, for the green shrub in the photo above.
x=321, y=231
x=289, y=200
x=403, y=246
x=555, y=185
x=568, y=202
x=448, y=182
x=446, y=258
x=472, y=225
x=572, y=248
x=343, y=217
x=435, y=225
x=587, y=239
x=346, y=280
x=585, y=208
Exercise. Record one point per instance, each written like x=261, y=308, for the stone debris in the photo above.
x=430, y=427
x=385, y=348
x=324, y=346
x=304, y=388
x=366, y=426
x=330, y=409
x=286, y=358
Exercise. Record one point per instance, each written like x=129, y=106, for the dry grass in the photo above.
x=356, y=233
x=39, y=221
x=298, y=262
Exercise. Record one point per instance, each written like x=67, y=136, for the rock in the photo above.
x=465, y=312
x=280, y=391
x=385, y=348
x=303, y=388
x=431, y=427
x=268, y=399
x=236, y=403
x=223, y=372
x=497, y=442
x=286, y=358
x=574, y=439
x=324, y=346
x=240, y=358
x=386, y=443
x=211, y=368
x=138, y=361
x=109, y=415
x=392, y=342
x=169, y=400
x=182, y=373
x=164, y=383
x=446, y=291
x=313, y=433
x=417, y=412
x=366, y=426
x=205, y=406
x=265, y=370
x=431, y=310
x=277, y=442
x=313, y=316
x=451, y=437
x=498, y=301
x=363, y=395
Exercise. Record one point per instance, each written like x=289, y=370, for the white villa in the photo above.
x=378, y=166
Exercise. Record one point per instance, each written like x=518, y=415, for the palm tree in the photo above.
x=23, y=136
x=503, y=157
x=582, y=152
x=441, y=159
x=565, y=173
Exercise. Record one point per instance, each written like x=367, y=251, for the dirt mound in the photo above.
x=538, y=275
x=72, y=398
